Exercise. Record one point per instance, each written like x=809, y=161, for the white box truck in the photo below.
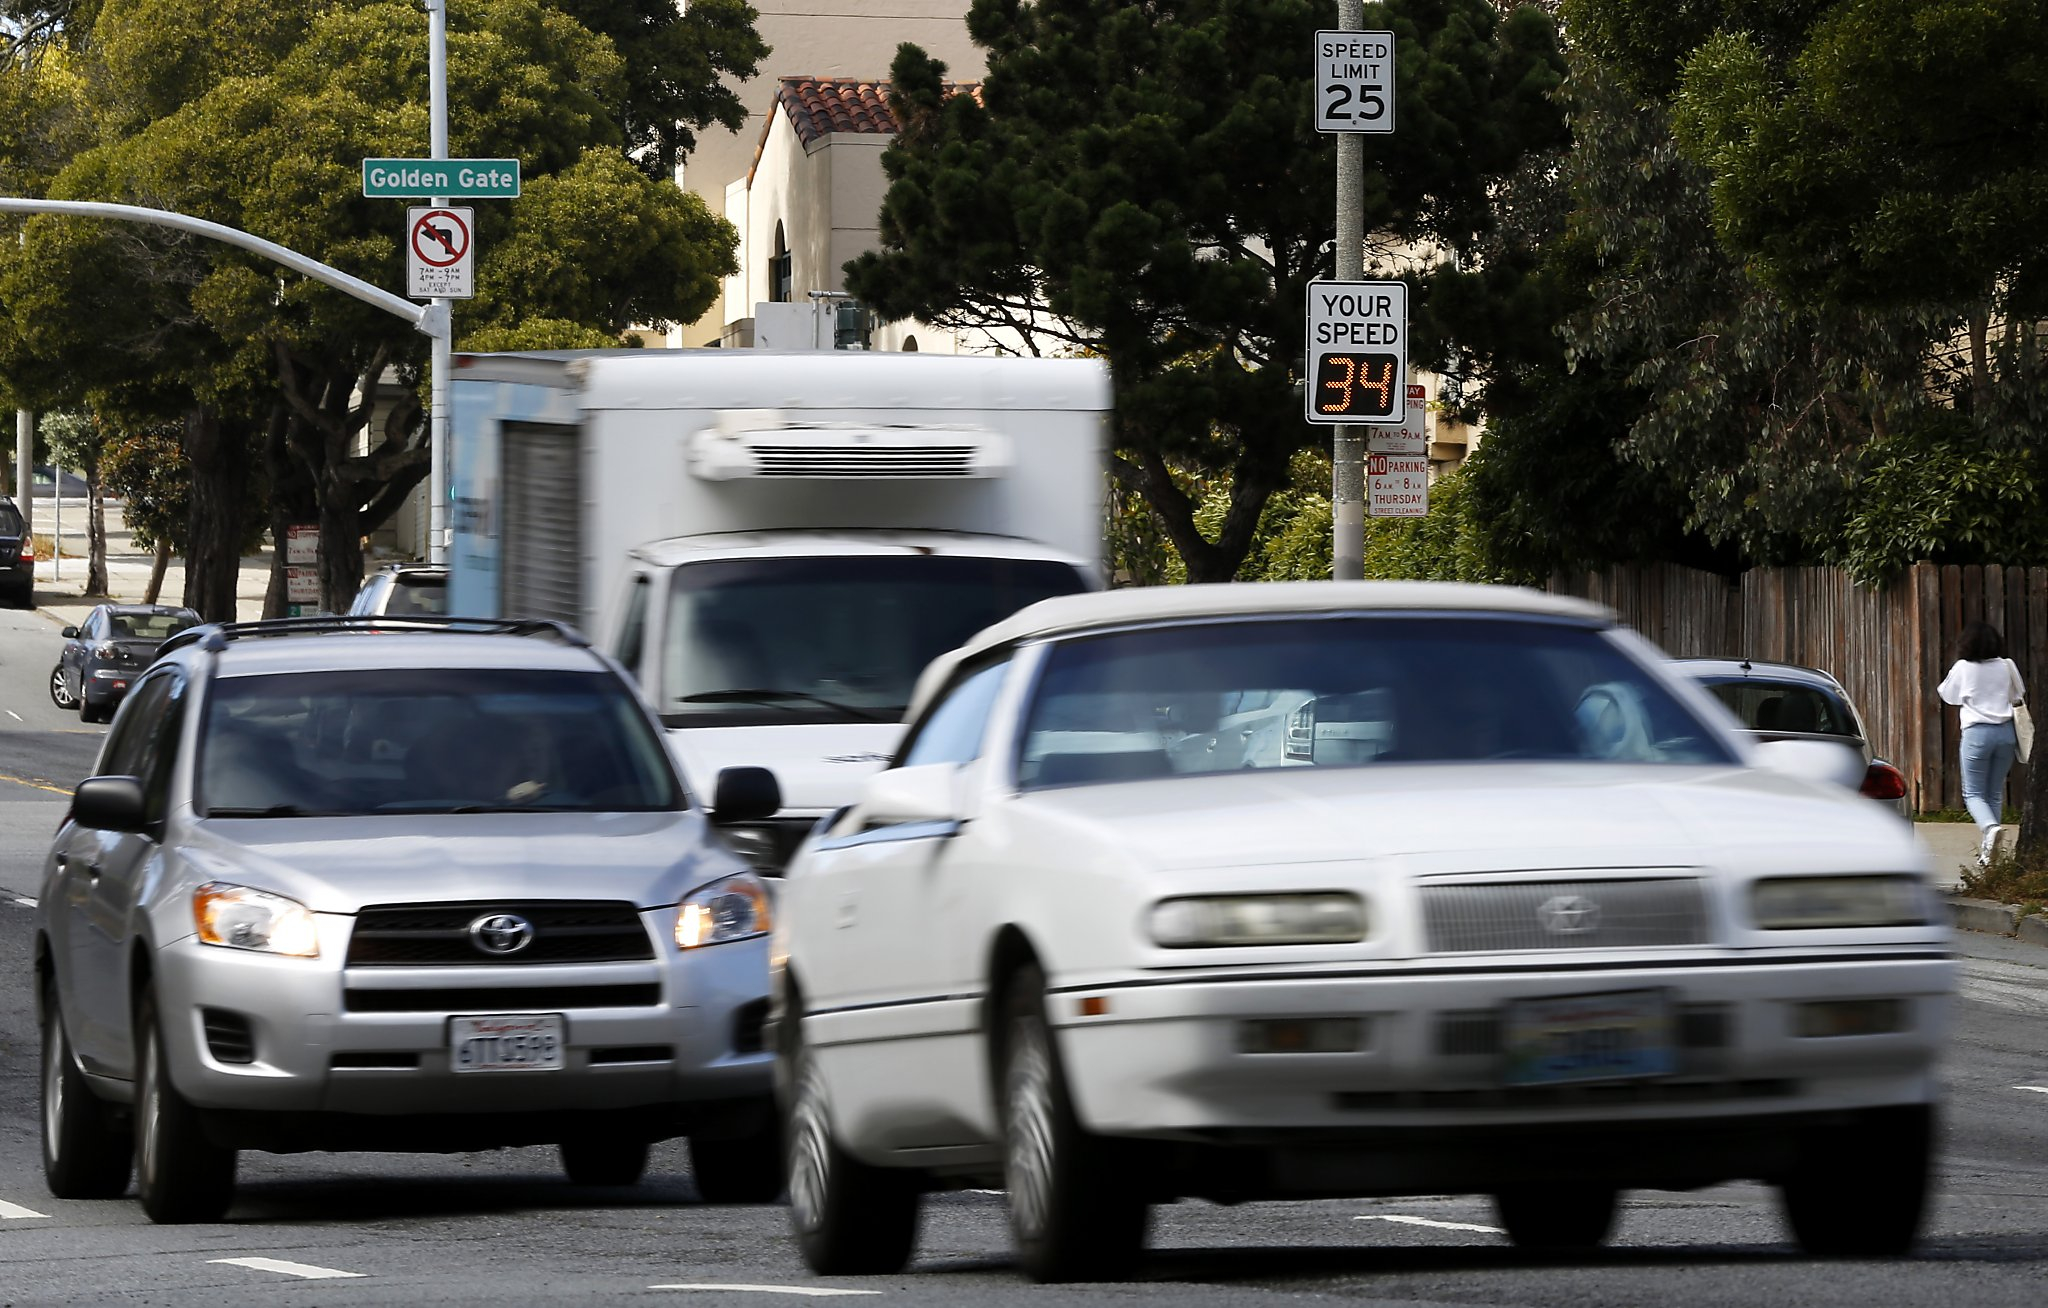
x=774, y=544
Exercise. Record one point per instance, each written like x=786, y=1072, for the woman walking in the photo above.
x=1986, y=685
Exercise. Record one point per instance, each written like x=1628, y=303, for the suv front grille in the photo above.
x=564, y=931
x=501, y=999
x=1623, y=913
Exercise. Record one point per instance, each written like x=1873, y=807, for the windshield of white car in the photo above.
x=428, y=740
x=1345, y=692
x=832, y=638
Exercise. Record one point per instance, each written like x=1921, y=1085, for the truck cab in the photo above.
x=775, y=545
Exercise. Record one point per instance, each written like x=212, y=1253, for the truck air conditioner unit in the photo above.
x=756, y=444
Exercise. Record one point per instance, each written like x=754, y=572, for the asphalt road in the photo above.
x=505, y=1228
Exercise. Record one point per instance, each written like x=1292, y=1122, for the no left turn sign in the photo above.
x=440, y=253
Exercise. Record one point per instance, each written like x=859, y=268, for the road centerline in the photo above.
x=1403, y=1219
x=10, y=1211
x=304, y=1271
x=808, y=1291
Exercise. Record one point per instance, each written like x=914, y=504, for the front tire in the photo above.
x=1860, y=1191
x=87, y=1151
x=849, y=1218
x=604, y=1162
x=1558, y=1219
x=1075, y=1210
x=744, y=1169
x=60, y=691
x=180, y=1175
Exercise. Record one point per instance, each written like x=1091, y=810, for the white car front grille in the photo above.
x=1503, y=916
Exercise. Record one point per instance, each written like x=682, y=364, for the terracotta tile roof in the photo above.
x=819, y=106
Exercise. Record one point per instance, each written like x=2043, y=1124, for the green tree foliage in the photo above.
x=1143, y=181
x=680, y=63
x=256, y=116
x=76, y=443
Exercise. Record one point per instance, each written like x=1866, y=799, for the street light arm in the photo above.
x=423, y=317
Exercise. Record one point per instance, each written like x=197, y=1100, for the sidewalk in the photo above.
x=1954, y=845
x=62, y=601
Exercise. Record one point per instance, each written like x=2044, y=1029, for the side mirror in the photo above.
x=69, y=633
x=745, y=795
x=109, y=804
x=1814, y=760
x=919, y=794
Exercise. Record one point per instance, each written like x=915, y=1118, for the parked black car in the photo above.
x=104, y=656
x=17, y=557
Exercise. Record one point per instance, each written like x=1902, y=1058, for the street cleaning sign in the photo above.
x=440, y=179
x=1355, y=82
x=440, y=253
x=1357, y=353
x=1396, y=486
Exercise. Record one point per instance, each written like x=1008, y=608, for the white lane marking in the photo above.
x=16, y=1210
x=305, y=1271
x=16, y=716
x=24, y=901
x=1405, y=1220
x=2037, y=1089
x=809, y=1291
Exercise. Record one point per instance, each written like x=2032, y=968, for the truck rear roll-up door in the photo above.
x=540, y=566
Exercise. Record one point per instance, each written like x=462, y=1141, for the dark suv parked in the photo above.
x=17, y=557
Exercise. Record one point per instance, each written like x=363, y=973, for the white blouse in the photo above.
x=1987, y=689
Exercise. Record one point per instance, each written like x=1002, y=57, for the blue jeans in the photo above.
x=1988, y=749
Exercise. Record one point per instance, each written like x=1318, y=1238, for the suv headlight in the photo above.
x=1323, y=918
x=240, y=918
x=736, y=908
x=1808, y=903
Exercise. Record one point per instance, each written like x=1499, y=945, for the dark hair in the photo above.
x=1979, y=641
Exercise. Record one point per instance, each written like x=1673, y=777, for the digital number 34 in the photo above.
x=1353, y=373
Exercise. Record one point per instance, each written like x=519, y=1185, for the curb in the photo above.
x=1993, y=918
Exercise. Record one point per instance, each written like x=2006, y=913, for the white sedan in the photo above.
x=1342, y=889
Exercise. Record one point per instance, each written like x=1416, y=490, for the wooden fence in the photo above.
x=1889, y=646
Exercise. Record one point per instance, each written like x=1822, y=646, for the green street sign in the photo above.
x=448, y=179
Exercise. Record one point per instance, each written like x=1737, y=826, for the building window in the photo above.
x=910, y=345
x=780, y=276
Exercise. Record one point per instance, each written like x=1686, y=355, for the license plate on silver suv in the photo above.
x=1619, y=1036
x=506, y=1042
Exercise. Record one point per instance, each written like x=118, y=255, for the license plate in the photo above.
x=506, y=1042
x=1620, y=1036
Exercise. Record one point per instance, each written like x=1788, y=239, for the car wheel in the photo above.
x=1558, y=1219
x=1074, y=1210
x=180, y=1175
x=739, y=1169
x=850, y=1218
x=60, y=693
x=1860, y=1191
x=86, y=712
x=86, y=1148
x=604, y=1161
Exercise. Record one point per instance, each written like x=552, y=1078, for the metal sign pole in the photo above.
x=443, y=357
x=24, y=467
x=1347, y=470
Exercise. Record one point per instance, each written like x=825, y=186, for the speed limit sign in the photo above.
x=1355, y=82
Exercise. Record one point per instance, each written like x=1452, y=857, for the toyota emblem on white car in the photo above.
x=502, y=933
x=1568, y=915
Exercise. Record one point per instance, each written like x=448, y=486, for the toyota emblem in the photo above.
x=500, y=933
x=1568, y=915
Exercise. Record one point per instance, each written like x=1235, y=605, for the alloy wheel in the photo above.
x=810, y=1163
x=56, y=1052
x=1030, y=1134
x=60, y=694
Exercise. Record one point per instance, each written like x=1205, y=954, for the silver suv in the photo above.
x=435, y=888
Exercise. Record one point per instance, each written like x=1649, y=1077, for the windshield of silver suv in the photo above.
x=428, y=740
x=1210, y=697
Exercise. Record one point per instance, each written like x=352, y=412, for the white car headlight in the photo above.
x=240, y=918
x=1322, y=918
x=1808, y=903
x=736, y=908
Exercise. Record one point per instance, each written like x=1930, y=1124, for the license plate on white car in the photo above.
x=506, y=1042
x=1620, y=1036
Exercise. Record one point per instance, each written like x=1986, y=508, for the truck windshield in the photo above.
x=428, y=740
x=832, y=639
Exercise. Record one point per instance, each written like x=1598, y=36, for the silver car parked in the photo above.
x=434, y=893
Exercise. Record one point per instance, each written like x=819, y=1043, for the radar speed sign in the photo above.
x=1357, y=352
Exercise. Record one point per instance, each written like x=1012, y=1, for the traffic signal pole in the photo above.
x=444, y=345
x=1347, y=461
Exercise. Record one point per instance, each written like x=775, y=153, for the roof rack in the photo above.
x=214, y=636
